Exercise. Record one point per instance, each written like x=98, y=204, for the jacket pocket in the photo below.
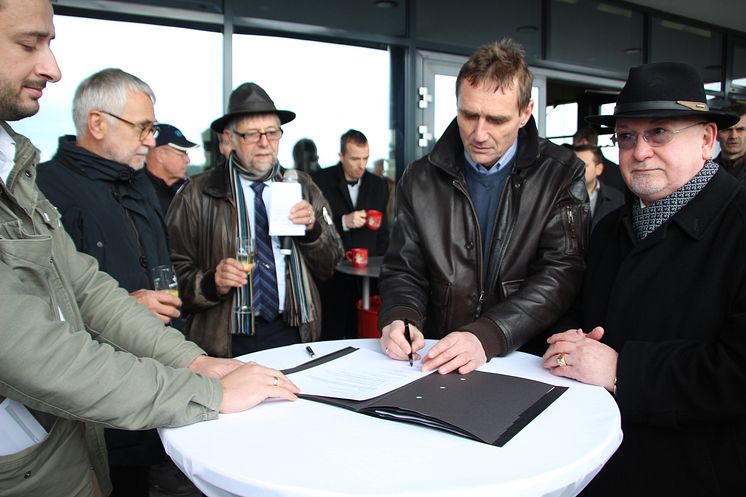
x=510, y=287
x=576, y=227
x=58, y=465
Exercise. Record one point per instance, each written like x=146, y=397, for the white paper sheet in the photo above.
x=283, y=196
x=360, y=375
x=18, y=428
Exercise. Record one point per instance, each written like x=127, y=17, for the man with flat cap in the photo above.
x=664, y=298
x=166, y=165
x=220, y=207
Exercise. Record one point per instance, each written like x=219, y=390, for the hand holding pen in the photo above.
x=396, y=344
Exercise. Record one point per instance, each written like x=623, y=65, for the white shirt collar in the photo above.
x=7, y=154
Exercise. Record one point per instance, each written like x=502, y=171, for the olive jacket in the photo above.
x=65, y=328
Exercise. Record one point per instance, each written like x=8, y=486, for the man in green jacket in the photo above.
x=78, y=353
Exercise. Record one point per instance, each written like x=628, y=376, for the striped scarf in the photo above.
x=299, y=309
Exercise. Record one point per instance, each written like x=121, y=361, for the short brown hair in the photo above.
x=595, y=152
x=500, y=65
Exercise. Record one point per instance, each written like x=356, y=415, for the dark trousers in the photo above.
x=267, y=335
x=339, y=296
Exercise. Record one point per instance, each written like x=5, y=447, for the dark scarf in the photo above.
x=647, y=219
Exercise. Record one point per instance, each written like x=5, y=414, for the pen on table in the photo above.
x=409, y=339
x=310, y=351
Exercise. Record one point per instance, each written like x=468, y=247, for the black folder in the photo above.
x=487, y=407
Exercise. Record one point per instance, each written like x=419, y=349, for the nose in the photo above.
x=149, y=140
x=642, y=149
x=47, y=67
x=263, y=140
x=480, y=130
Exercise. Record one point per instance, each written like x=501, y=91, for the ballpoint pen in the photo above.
x=310, y=351
x=409, y=339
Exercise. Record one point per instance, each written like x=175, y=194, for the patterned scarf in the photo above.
x=300, y=308
x=647, y=219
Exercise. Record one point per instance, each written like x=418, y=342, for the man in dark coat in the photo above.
x=664, y=298
x=732, y=156
x=602, y=197
x=166, y=166
x=351, y=191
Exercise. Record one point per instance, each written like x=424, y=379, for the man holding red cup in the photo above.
x=358, y=201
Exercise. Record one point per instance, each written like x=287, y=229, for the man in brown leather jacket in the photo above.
x=488, y=246
x=206, y=217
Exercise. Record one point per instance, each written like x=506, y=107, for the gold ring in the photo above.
x=276, y=381
x=561, y=360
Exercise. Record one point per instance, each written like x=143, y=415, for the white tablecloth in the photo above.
x=307, y=449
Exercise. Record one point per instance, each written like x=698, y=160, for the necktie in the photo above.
x=266, y=301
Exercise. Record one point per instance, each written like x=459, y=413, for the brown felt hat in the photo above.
x=250, y=98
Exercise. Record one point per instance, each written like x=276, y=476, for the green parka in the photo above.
x=77, y=351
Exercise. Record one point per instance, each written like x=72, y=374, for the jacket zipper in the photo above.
x=571, y=225
x=480, y=255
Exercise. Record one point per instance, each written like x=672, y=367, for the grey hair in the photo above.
x=107, y=90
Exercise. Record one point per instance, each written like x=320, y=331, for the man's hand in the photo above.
x=396, y=346
x=229, y=274
x=573, y=354
x=162, y=304
x=213, y=366
x=355, y=219
x=458, y=350
x=250, y=384
x=302, y=213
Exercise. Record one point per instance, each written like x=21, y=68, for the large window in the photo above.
x=330, y=87
x=183, y=66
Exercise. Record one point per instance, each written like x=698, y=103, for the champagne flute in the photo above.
x=246, y=255
x=164, y=279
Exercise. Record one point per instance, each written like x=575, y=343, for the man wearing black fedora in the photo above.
x=220, y=208
x=664, y=298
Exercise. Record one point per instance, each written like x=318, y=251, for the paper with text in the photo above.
x=283, y=196
x=361, y=375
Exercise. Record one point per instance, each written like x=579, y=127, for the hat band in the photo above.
x=661, y=105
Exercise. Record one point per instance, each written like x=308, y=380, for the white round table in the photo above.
x=311, y=449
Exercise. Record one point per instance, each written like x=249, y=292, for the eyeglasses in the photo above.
x=143, y=129
x=655, y=137
x=251, y=137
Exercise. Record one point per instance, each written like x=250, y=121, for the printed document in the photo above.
x=360, y=375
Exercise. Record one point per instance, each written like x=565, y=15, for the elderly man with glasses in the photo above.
x=271, y=300
x=111, y=212
x=664, y=298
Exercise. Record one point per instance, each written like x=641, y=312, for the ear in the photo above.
x=97, y=125
x=599, y=169
x=341, y=156
x=526, y=113
x=708, y=140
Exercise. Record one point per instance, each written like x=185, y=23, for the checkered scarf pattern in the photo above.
x=647, y=219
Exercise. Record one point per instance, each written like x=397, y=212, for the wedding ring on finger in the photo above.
x=275, y=381
x=561, y=360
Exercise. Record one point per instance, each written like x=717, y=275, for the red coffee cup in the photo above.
x=357, y=256
x=374, y=219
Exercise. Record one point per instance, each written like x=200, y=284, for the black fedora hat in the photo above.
x=664, y=89
x=250, y=98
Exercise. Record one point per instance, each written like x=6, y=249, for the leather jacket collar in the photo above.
x=448, y=152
